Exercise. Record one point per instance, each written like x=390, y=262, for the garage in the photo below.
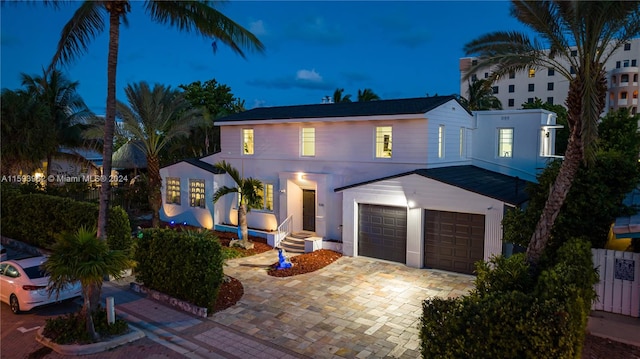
x=453, y=241
x=382, y=232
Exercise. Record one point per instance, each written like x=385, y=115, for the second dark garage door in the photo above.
x=453, y=241
x=382, y=232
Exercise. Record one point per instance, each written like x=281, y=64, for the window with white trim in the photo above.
x=384, y=141
x=267, y=196
x=462, y=149
x=196, y=193
x=247, y=141
x=505, y=142
x=173, y=190
x=441, y=141
x=308, y=141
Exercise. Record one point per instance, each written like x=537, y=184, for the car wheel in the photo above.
x=14, y=304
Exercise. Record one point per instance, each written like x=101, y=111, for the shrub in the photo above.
x=37, y=219
x=511, y=315
x=186, y=265
x=71, y=328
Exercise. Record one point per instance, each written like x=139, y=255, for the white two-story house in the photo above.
x=419, y=181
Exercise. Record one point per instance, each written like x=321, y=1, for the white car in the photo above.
x=24, y=285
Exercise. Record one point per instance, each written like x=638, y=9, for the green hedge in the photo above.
x=510, y=315
x=186, y=265
x=37, y=219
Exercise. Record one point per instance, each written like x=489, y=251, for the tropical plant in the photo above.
x=154, y=117
x=65, y=112
x=481, y=97
x=24, y=133
x=594, y=30
x=338, y=97
x=248, y=191
x=82, y=257
x=367, y=95
x=90, y=20
x=216, y=100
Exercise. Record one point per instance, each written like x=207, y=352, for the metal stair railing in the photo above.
x=284, y=229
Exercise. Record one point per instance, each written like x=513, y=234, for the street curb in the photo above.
x=84, y=349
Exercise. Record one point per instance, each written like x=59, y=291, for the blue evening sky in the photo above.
x=398, y=49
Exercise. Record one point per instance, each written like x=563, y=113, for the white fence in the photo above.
x=619, y=287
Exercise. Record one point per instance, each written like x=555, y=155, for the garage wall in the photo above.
x=422, y=193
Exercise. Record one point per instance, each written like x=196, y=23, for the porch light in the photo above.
x=300, y=176
x=411, y=204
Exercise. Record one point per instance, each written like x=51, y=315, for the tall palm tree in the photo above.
x=82, y=257
x=152, y=119
x=65, y=112
x=594, y=29
x=338, y=97
x=367, y=95
x=90, y=20
x=481, y=97
x=248, y=191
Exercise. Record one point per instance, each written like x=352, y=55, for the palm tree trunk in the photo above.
x=86, y=311
x=155, y=183
x=242, y=222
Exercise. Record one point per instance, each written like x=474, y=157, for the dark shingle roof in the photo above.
x=343, y=109
x=505, y=188
x=203, y=165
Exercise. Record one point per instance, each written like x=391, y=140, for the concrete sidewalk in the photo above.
x=615, y=327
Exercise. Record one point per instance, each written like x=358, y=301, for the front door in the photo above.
x=308, y=210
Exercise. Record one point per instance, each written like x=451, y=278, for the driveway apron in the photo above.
x=354, y=308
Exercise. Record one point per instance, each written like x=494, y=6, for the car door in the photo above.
x=3, y=283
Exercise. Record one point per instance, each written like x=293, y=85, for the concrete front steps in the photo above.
x=301, y=242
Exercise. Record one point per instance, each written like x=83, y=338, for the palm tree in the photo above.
x=481, y=97
x=594, y=30
x=153, y=118
x=337, y=96
x=65, y=112
x=367, y=95
x=82, y=257
x=24, y=133
x=90, y=20
x=248, y=191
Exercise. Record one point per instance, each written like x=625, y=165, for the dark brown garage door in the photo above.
x=382, y=232
x=453, y=241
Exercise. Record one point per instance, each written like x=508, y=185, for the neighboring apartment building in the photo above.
x=522, y=87
x=418, y=181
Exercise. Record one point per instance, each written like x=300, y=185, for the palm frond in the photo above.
x=228, y=168
x=222, y=191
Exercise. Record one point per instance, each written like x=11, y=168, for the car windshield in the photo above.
x=35, y=272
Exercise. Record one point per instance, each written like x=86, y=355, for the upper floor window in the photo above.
x=267, y=196
x=617, y=64
x=551, y=72
x=531, y=87
x=196, y=193
x=383, y=141
x=635, y=94
x=512, y=75
x=511, y=102
x=308, y=140
x=474, y=62
x=634, y=62
x=441, y=141
x=625, y=63
x=624, y=78
x=530, y=100
x=532, y=73
x=474, y=78
x=512, y=88
x=550, y=100
x=247, y=141
x=572, y=70
x=623, y=95
x=574, y=52
x=550, y=86
x=627, y=47
x=505, y=142
x=495, y=89
x=173, y=190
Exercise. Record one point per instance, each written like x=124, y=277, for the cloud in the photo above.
x=315, y=29
x=306, y=79
x=306, y=75
x=257, y=28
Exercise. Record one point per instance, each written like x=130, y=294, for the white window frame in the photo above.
x=173, y=191
x=505, y=142
x=267, y=196
x=197, y=195
x=462, y=144
x=384, y=141
x=248, y=141
x=441, y=141
x=308, y=142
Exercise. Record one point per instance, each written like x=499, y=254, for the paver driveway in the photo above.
x=354, y=308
